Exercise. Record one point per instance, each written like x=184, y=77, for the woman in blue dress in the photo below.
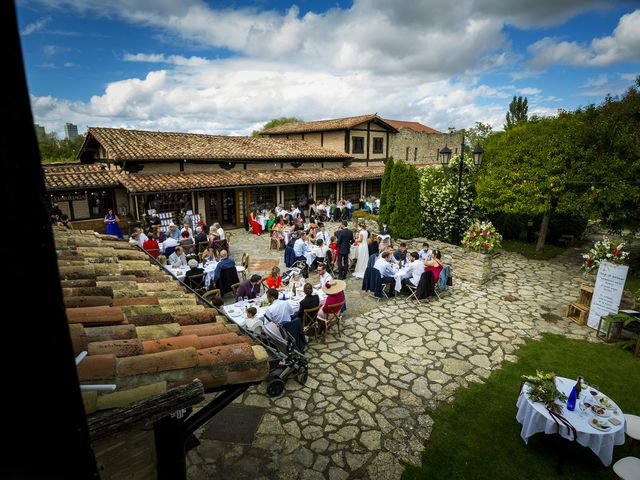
x=111, y=219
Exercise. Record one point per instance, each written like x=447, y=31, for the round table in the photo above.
x=180, y=273
x=535, y=418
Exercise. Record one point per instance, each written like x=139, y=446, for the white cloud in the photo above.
x=161, y=58
x=623, y=45
x=232, y=97
x=35, y=26
x=529, y=91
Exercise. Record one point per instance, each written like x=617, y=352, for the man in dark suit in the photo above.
x=344, y=239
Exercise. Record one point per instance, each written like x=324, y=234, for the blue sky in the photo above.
x=227, y=67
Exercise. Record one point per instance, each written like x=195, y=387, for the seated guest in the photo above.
x=209, y=255
x=271, y=219
x=383, y=265
x=225, y=262
x=300, y=247
x=187, y=242
x=294, y=210
x=161, y=236
x=426, y=251
x=186, y=228
x=177, y=259
x=391, y=252
x=193, y=270
x=335, y=294
x=324, y=276
x=162, y=260
x=205, y=227
x=434, y=265
x=322, y=235
x=298, y=223
x=274, y=280
x=288, y=220
x=309, y=301
x=278, y=311
x=134, y=238
x=200, y=237
x=254, y=324
x=401, y=254
x=256, y=228
x=142, y=236
x=414, y=270
x=152, y=245
x=169, y=245
x=320, y=250
x=174, y=232
x=249, y=288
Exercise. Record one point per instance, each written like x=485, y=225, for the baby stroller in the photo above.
x=284, y=359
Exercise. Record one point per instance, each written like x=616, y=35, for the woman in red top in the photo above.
x=256, y=228
x=335, y=294
x=151, y=246
x=434, y=265
x=333, y=246
x=274, y=280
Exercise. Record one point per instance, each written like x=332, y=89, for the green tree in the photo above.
x=478, y=135
x=529, y=169
x=54, y=150
x=517, y=114
x=406, y=219
x=386, y=200
x=275, y=122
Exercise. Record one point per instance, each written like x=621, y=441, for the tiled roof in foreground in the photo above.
x=137, y=145
x=70, y=176
x=142, y=330
x=190, y=181
x=323, y=125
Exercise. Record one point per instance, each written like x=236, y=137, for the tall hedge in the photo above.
x=406, y=218
x=386, y=200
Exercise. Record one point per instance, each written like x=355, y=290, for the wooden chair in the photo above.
x=331, y=319
x=202, y=246
x=242, y=269
x=154, y=252
x=276, y=243
x=196, y=282
x=212, y=293
x=310, y=320
x=234, y=289
x=188, y=248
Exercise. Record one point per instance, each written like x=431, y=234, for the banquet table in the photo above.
x=262, y=220
x=237, y=311
x=535, y=418
x=181, y=272
x=399, y=275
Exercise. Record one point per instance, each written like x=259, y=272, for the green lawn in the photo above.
x=478, y=437
x=529, y=249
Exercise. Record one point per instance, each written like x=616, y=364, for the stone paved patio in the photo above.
x=362, y=410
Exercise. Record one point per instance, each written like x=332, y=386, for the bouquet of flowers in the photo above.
x=543, y=389
x=605, y=249
x=481, y=237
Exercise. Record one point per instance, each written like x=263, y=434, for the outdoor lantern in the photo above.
x=445, y=155
x=477, y=155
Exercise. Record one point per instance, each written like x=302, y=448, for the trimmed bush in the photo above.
x=386, y=196
x=406, y=219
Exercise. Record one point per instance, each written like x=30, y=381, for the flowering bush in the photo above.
x=605, y=249
x=438, y=192
x=482, y=237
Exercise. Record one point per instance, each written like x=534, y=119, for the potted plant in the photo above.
x=481, y=240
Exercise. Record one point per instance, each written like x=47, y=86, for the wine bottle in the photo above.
x=294, y=289
x=578, y=387
x=571, y=401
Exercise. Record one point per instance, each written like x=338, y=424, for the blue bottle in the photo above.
x=571, y=401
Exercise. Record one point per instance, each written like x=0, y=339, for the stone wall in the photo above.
x=427, y=144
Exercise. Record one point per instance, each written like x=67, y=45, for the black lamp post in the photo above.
x=445, y=157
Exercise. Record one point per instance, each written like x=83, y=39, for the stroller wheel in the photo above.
x=275, y=387
x=303, y=376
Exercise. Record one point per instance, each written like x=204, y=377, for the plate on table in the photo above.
x=606, y=403
x=598, y=425
x=600, y=411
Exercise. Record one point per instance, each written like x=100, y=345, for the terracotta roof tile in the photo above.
x=122, y=144
x=67, y=177
x=418, y=127
x=322, y=125
x=193, y=181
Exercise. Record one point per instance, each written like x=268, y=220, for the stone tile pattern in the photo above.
x=362, y=410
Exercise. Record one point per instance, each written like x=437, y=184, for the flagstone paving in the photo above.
x=362, y=411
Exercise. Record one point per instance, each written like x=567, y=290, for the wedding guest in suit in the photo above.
x=344, y=239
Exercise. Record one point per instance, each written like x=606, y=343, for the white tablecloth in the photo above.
x=180, y=273
x=535, y=418
x=237, y=311
x=262, y=220
x=399, y=275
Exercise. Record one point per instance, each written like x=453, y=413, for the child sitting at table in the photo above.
x=251, y=312
x=254, y=324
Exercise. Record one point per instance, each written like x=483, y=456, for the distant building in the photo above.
x=40, y=133
x=70, y=131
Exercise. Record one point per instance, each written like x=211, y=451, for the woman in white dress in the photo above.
x=363, y=251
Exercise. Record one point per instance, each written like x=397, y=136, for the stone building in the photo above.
x=371, y=139
x=218, y=177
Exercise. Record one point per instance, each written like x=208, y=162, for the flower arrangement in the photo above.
x=606, y=249
x=482, y=237
x=543, y=389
